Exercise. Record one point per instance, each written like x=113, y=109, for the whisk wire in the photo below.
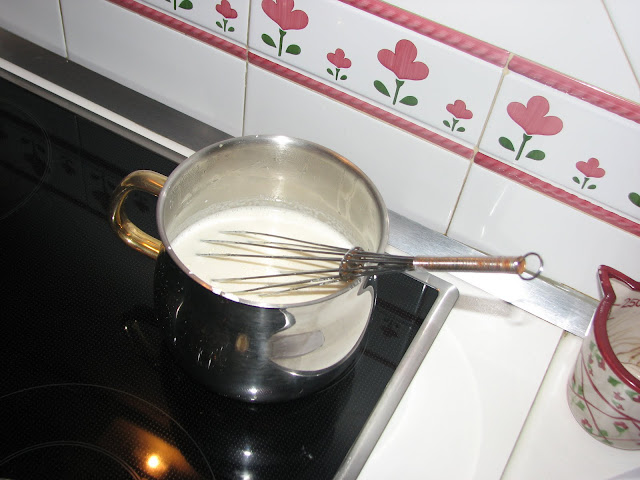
x=351, y=263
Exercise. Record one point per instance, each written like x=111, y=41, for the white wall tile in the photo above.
x=501, y=217
x=584, y=135
x=625, y=15
x=184, y=73
x=574, y=37
x=416, y=179
x=38, y=21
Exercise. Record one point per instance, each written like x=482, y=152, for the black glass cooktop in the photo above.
x=88, y=389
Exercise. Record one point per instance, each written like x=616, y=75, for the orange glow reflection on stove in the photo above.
x=153, y=461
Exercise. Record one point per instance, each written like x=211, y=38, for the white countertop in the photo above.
x=489, y=402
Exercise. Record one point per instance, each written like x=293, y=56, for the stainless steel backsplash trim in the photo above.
x=550, y=301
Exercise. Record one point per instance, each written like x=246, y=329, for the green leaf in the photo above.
x=635, y=198
x=506, y=143
x=604, y=433
x=461, y=129
x=330, y=72
x=576, y=179
x=231, y=29
x=409, y=100
x=446, y=123
x=219, y=24
x=535, y=155
x=621, y=428
x=381, y=88
x=268, y=40
x=591, y=187
x=293, y=49
x=186, y=4
x=580, y=405
x=343, y=77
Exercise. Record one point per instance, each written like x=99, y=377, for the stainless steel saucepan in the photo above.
x=257, y=351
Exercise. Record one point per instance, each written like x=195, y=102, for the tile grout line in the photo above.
x=476, y=148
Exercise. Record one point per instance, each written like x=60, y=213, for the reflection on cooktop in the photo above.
x=87, y=431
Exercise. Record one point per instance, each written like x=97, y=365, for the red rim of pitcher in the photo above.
x=600, y=323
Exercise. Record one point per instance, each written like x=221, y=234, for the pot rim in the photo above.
x=186, y=164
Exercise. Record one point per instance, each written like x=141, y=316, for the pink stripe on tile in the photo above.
x=361, y=105
x=472, y=46
x=556, y=193
x=182, y=27
x=595, y=96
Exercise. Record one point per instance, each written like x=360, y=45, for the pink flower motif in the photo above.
x=590, y=168
x=402, y=61
x=459, y=110
x=224, y=9
x=586, y=424
x=534, y=121
x=339, y=59
x=617, y=396
x=282, y=12
x=533, y=118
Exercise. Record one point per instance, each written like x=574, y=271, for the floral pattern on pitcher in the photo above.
x=603, y=403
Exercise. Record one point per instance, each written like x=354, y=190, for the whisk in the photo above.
x=351, y=263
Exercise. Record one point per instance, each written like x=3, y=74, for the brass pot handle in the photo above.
x=145, y=181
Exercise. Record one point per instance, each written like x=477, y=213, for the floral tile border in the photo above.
x=361, y=105
x=397, y=69
x=576, y=88
x=485, y=51
x=568, y=142
x=180, y=26
x=218, y=17
x=478, y=49
x=556, y=193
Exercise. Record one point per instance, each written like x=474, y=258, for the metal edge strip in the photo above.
x=555, y=303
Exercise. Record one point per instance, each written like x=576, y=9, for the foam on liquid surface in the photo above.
x=278, y=221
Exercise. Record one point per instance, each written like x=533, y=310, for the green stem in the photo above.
x=175, y=7
x=337, y=72
x=224, y=22
x=399, y=83
x=282, y=34
x=453, y=123
x=525, y=139
x=584, y=184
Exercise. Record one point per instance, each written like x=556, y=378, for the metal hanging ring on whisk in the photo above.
x=356, y=262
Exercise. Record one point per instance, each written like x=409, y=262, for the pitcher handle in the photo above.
x=145, y=181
